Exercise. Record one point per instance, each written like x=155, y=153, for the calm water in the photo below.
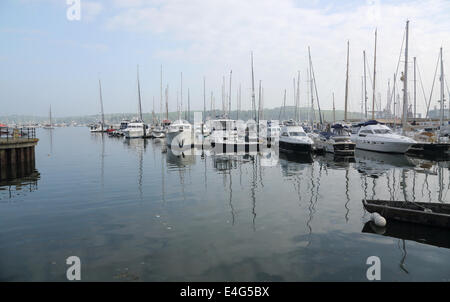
x=133, y=212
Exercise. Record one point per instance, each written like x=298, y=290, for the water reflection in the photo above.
x=12, y=188
x=405, y=232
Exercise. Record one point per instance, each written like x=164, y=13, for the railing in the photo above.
x=7, y=133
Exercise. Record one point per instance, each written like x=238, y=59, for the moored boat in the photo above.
x=432, y=214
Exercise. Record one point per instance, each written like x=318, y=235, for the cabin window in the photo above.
x=382, y=131
x=297, y=134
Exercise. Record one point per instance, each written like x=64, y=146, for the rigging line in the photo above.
x=421, y=84
x=398, y=65
x=432, y=87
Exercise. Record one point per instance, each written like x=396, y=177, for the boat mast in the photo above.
x=50, y=113
x=229, y=101
x=167, y=102
x=312, y=116
x=315, y=86
x=139, y=97
x=239, y=107
x=346, y=83
x=365, y=84
x=101, y=104
x=298, y=97
x=334, y=111
x=405, y=83
x=442, y=95
x=189, y=107
x=374, y=75
x=259, y=103
x=415, y=88
x=295, y=101
x=181, y=97
x=204, y=101
x=161, y=98
x=253, y=90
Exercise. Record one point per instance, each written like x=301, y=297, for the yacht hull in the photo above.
x=384, y=147
x=295, y=147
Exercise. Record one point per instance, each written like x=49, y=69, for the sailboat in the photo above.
x=137, y=128
x=179, y=133
x=375, y=136
x=50, y=125
x=100, y=127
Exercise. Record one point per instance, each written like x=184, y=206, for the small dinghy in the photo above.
x=432, y=214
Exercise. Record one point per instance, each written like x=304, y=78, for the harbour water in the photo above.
x=133, y=212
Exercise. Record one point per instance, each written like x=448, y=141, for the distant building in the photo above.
x=436, y=113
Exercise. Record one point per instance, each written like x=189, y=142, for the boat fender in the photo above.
x=378, y=219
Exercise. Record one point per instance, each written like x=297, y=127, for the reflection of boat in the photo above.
x=378, y=163
x=413, y=232
x=377, y=137
x=432, y=214
x=336, y=161
x=180, y=159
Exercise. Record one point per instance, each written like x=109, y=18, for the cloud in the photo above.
x=90, y=10
x=221, y=34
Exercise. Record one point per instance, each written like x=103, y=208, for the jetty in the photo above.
x=17, y=152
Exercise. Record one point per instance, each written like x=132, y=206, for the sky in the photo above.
x=47, y=59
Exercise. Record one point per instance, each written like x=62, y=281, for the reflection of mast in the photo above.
x=253, y=193
x=102, y=172
x=402, y=262
x=347, y=194
x=141, y=160
x=231, y=198
x=163, y=193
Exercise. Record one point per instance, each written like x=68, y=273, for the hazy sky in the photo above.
x=47, y=59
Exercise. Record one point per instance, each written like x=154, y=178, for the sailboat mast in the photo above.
x=167, y=102
x=442, y=94
x=374, y=75
x=189, y=107
x=334, y=111
x=161, y=97
x=365, y=85
x=204, y=101
x=415, y=88
x=253, y=90
x=405, y=82
x=298, y=96
x=346, y=82
x=295, y=101
x=139, y=96
x=181, y=96
x=50, y=113
x=101, y=103
x=229, y=101
x=315, y=87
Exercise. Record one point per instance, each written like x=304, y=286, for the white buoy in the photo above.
x=378, y=219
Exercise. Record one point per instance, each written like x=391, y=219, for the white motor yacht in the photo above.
x=179, y=134
x=377, y=137
x=294, y=138
x=135, y=130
